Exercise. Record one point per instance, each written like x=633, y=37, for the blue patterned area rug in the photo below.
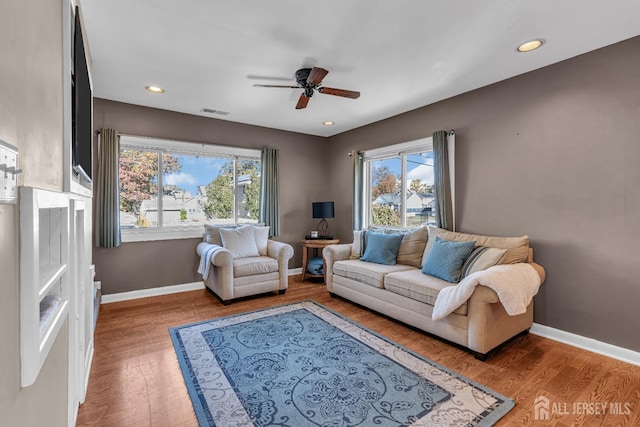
x=304, y=365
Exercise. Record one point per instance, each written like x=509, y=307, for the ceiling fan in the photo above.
x=310, y=80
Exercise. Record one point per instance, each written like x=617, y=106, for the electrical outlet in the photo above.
x=8, y=173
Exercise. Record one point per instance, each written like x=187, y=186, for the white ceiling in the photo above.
x=400, y=54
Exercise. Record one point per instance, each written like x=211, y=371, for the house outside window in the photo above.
x=170, y=189
x=399, y=185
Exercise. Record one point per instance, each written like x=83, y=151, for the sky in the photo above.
x=419, y=166
x=195, y=171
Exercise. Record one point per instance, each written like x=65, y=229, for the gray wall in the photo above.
x=552, y=154
x=31, y=119
x=303, y=180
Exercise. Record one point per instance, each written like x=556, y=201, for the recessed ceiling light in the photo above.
x=530, y=45
x=328, y=123
x=154, y=89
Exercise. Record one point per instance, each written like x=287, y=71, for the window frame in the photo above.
x=402, y=150
x=168, y=146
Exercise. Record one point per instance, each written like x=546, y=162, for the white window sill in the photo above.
x=168, y=233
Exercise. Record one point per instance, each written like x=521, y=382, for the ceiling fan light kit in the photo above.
x=310, y=80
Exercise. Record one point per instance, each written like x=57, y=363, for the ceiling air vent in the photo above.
x=212, y=111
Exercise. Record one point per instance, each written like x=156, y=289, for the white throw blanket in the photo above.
x=515, y=284
x=206, y=251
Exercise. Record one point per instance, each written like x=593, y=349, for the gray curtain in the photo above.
x=444, y=209
x=358, y=188
x=269, y=190
x=107, y=191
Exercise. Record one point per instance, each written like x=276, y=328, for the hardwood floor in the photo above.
x=135, y=379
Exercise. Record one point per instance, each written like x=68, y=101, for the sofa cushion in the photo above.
x=241, y=242
x=382, y=248
x=358, y=245
x=367, y=272
x=482, y=258
x=418, y=286
x=212, y=233
x=251, y=266
x=446, y=258
x=412, y=247
x=360, y=239
x=262, y=238
x=517, y=247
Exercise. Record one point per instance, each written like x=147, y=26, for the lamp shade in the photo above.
x=322, y=209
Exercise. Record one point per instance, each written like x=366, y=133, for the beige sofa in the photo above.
x=403, y=292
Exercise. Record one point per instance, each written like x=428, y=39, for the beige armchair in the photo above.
x=230, y=276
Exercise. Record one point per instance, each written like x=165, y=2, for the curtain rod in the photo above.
x=451, y=132
x=156, y=138
x=98, y=132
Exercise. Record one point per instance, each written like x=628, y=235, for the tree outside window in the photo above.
x=196, y=189
x=389, y=205
x=220, y=192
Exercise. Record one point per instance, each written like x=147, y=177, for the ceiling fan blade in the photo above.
x=339, y=92
x=316, y=75
x=288, y=87
x=302, y=102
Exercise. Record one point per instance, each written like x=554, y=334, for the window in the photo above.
x=399, y=185
x=198, y=184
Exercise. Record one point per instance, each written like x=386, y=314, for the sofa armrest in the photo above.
x=485, y=295
x=203, y=246
x=221, y=257
x=540, y=270
x=337, y=252
x=331, y=254
x=489, y=324
x=279, y=250
x=220, y=277
x=283, y=252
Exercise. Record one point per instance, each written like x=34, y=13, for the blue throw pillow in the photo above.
x=446, y=258
x=382, y=248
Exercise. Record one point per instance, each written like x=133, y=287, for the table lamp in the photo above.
x=323, y=210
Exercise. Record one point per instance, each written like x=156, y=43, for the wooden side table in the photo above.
x=314, y=244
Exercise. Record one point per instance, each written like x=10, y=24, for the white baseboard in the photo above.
x=165, y=290
x=588, y=344
x=153, y=292
x=88, y=364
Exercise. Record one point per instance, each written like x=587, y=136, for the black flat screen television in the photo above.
x=82, y=100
